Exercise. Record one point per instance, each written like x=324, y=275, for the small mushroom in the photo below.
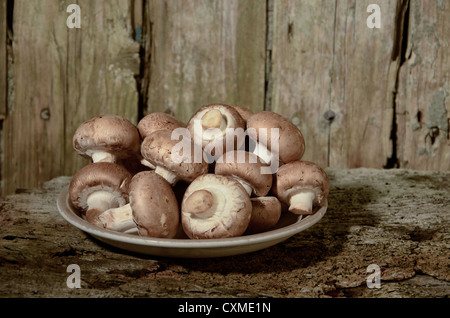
x=215, y=206
x=158, y=149
x=107, y=138
x=98, y=187
x=266, y=212
x=246, y=168
x=210, y=128
x=152, y=211
x=157, y=121
x=290, y=141
x=301, y=185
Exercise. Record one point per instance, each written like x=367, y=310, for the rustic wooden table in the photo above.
x=397, y=220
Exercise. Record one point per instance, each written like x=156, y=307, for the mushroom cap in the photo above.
x=157, y=149
x=291, y=141
x=157, y=121
x=266, y=212
x=247, y=166
x=228, y=213
x=233, y=120
x=244, y=112
x=154, y=205
x=100, y=176
x=299, y=175
x=109, y=133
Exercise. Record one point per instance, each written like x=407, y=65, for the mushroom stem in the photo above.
x=147, y=163
x=102, y=156
x=101, y=200
x=118, y=219
x=171, y=177
x=213, y=119
x=199, y=202
x=302, y=202
x=262, y=152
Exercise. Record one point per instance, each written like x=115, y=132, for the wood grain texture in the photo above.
x=205, y=52
x=3, y=58
x=423, y=99
x=397, y=219
x=63, y=77
x=332, y=77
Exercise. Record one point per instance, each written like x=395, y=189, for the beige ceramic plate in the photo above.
x=183, y=247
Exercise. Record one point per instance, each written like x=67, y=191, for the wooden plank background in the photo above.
x=362, y=97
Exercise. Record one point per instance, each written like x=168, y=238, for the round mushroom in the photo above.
x=215, y=206
x=266, y=212
x=107, y=138
x=160, y=150
x=98, y=187
x=210, y=128
x=245, y=167
x=157, y=121
x=290, y=141
x=301, y=185
x=152, y=209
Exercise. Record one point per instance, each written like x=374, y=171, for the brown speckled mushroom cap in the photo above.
x=158, y=147
x=158, y=121
x=301, y=185
x=246, y=167
x=291, y=141
x=109, y=134
x=266, y=212
x=154, y=205
x=215, y=206
x=216, y=116
x=243, y=111
x=101, y=186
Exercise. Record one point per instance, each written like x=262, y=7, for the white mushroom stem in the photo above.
x=102, y=156
x=301, y=202
x=147, y=163
x=118, y=219
x=262, y=152
x=171, y=177
x=101, y=200
x=213, y=119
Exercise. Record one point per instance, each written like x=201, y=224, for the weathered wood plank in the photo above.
x=205, y=52
x=396, y=219
x=63, y=77
x=423, y=100
x=3, y=58
x=331, y=77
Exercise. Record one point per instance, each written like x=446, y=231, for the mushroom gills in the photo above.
x=301, y=200
x=102, y=199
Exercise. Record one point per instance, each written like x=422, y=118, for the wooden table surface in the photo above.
x=396, y=220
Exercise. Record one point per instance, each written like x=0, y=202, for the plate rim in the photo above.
x=258, y=238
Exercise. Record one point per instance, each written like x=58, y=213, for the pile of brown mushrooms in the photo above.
x=236, y=173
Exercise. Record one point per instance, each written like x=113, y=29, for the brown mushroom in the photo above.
x=152, y=211
x=215, y=206
x=172, y=163
x=301, y=185
x=107, y=138
x=98, y=187
x=157, y=121
x=243, y=111
x=266, y=212
x=290, y=144
x=246, y=168
x=217, y=128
